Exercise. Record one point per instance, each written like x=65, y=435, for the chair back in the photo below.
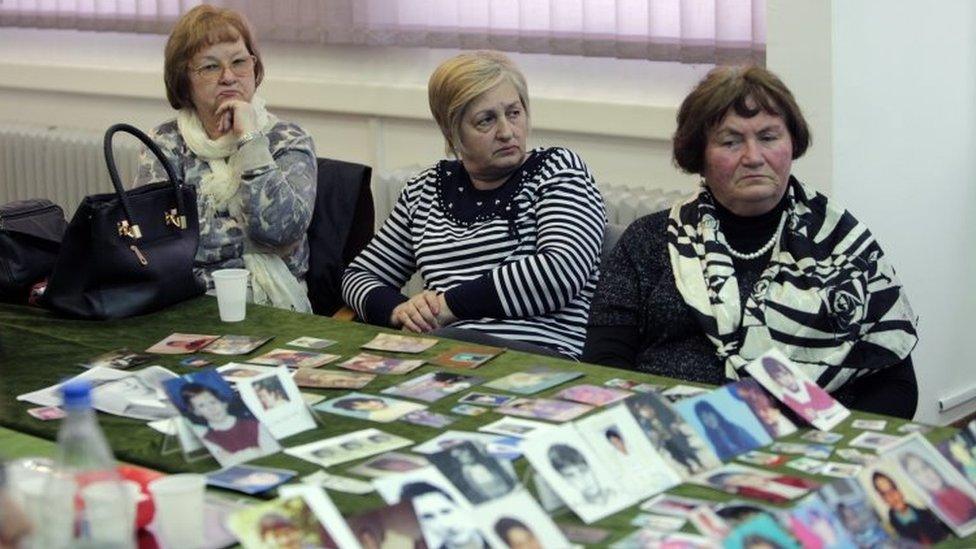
x=342, y=225
x=611, y=234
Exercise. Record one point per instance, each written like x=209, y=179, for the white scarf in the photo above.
x=271, y=281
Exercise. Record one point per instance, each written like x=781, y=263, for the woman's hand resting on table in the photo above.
x=423, y=312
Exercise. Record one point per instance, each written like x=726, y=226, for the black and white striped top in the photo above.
x=519, y=262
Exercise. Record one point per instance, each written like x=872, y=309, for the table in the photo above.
x=38, y=350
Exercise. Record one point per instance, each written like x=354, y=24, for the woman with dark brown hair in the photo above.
x=755, y=260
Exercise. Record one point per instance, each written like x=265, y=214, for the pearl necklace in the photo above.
x=766, y=247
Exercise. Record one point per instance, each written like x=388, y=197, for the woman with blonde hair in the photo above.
x=507, y=239
x=255, y=175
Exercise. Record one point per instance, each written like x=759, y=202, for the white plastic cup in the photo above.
x=179, y=509
x=110, y=511
x=231, y=286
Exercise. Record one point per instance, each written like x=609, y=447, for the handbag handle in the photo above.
x=127, y=226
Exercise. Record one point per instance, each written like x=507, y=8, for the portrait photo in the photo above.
x=575, y=473
x=617, y=440
x=368, y=407
x=749, y=482
x=181, y=344
x=477, y=475
x=960, y=450
x=903, y=510
x=784, y=380
x=847, y=501
x=517, y=521
x=814, y=524
x=331, y=379
x=732, y=431
x=945, y=489
x=760, y=532
x=684, y=450
x=433, y=386
x=532, y=380
x=399, y=343
x=390, y=463
x=348, y=447
x=277, y=403
x=391, y=527
x=294, y=359
x=466, y=356
x=376, y=364
x=763, y=407
x=229, y=430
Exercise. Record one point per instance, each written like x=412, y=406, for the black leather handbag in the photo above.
x=30, y=237
x=129, y=252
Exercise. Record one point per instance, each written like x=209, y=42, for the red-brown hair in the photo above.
x=199, y=28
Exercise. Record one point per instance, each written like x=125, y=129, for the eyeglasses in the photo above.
x=211, y=70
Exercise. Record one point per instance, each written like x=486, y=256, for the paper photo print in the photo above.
x=764, y=408
x=788, y=384
x=219, y=418
x=399, y=343
x=120, y=359
x=533, y=380
x=136, y=395
x=477, y=475
x=433, y=386
x=847, y=501
x=279, y=524
x=516, y=520
x=331, y=379
x=368, y=407
x=515, y=427
x=749, y=482
x=593, y=395
x=620, y=444
x=445, y=517
x=574, y=471
x=391, y=527
x=348, y=447
x=181, y=344
x=544, y=408
x=903, y=510
x=234, y=372
x=466, y=356
x=235, y=345
x=670, y=435
x=813, y=524
x=390, y=463
x=761, y=531
x=376, y=364
x=249, y=479
x=277, y=402
x=960, y=450
x=725, y=422
x=945, y=489
x=294, y=359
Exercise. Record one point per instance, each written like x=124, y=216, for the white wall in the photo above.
x=362, y=104
x=893, y=83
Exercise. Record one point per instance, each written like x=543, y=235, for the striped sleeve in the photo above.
x=570, y=221
x=371, y=284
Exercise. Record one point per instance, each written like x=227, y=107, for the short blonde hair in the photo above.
x=457, y=82
x=199, y=28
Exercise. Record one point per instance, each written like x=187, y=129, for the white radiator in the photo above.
x=625, y=203
x=65, y=165
x=61, y=164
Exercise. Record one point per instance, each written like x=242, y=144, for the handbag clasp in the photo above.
x=131, y=231
x=178, y=221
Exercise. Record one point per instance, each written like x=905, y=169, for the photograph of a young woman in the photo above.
x=912, y=522
x=803, y=396
x=954, y=505
x=220, y=419
x=727, y=438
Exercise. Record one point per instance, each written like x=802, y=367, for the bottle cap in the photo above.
x=76, y=394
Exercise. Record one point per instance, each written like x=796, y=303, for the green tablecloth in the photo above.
x=38, y=350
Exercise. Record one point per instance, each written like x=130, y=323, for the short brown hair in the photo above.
x=457, y=82
x=201, y=27
x=733, y=87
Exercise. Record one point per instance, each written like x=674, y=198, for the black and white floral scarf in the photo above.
x=828, y=298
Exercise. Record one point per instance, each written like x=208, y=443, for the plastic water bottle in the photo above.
x=86, y=502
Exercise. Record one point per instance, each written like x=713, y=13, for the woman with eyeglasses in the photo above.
x=255, y=175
